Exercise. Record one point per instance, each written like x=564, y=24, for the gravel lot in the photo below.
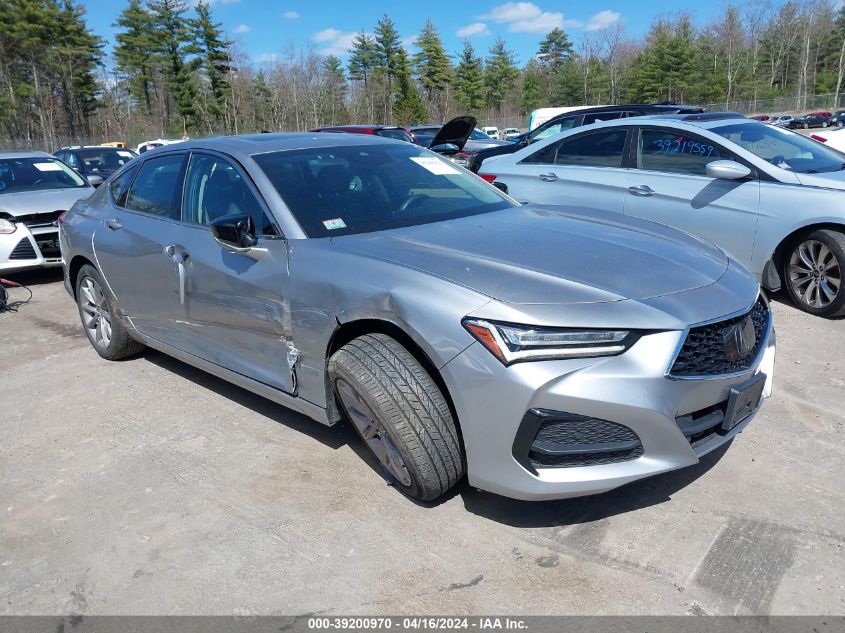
x=149, y=487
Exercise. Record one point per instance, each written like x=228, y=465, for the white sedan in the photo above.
x=832, y=137
x=772, y=198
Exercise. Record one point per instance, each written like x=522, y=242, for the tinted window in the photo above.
x=215, y=189
x=555, y=128
x=103, y=159
x=398, y=134
x=782, y=148
x=357, y=189
x=599, y=149
x=36, y=174
x=601, y=116
x=158, y=185
x=677, y=152
x=478, y=135
x=120, y=187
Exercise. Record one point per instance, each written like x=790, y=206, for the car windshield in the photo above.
x=359, y=189
x=36, y=174
x=478, y=135
x=103, y=159
x=782, y=148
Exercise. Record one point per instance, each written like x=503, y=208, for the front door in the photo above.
x=670, y=185
x=131, y=246
x=237, y=308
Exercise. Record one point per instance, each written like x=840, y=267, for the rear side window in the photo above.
x=597, y=149
x=120, y=187
x=601, y=116
x=157, y=189
x=676, y=152
x=556, y=128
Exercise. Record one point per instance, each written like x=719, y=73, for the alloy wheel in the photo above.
x=95, y=312
x=373, y=433
x=815, y=274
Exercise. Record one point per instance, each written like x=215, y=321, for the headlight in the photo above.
x=512, y=343
x=7, y=227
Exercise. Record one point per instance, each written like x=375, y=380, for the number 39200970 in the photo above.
x=682, y=146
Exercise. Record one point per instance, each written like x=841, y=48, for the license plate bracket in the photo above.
x=743, y=401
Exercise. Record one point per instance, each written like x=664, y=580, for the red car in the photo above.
x=388, y=131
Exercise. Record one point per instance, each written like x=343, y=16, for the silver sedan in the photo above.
x=543, y=352
x=773, y=199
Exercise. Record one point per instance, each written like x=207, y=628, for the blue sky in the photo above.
x=264, y=28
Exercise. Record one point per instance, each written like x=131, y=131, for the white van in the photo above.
x=541, y=115
x=492, y=132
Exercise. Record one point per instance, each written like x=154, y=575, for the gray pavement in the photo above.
x=149, y=487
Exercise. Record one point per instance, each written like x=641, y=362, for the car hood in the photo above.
x=550, y=255
x=456, y=131
x=28, y=202
x=831, y=179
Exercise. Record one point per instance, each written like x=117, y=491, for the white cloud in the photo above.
x=242, y=28
x=290, y=15
x=265, y=58
x=407, y=41
x=334, y=41
x=602, y=20
x=526, y=17
x=478, y=29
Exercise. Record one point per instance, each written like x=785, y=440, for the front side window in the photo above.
x=358, y=189
x=675, y=151
x=157, y=188
x=119, y=187
x=782, y=148
x=214, y=189
x=37, y=174
x=97, y=160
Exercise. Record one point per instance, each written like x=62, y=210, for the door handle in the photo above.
x=550, y=177
x=179, y=256
x=113, y=223
x=641, y=190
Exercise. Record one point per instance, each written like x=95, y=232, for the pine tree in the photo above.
x=432, y=66
x=336, y=87
x=388, y=49
x=469, y=80
x=530, y=88
x=408, y=107
x=555, y=49
x=172, y=41
x=500, y=74
x=214, y=59
x=134, y=53
x=363, y=58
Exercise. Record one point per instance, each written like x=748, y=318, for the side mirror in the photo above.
x=500, y=186
x=524, y=141
x=727, y=170
x=445, y=148
x=236, y=231
x=95, y=180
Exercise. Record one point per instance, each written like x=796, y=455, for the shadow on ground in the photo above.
x=641, y=494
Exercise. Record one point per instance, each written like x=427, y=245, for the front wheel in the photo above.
x=400, y=413
x=806, y=126
x=813, y=273
x=104, y=330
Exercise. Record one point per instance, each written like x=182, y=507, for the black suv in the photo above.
x=95, y=160
x=813, y=119
x=569, y=120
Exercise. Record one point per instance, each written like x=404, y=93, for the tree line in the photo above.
x=172, y=70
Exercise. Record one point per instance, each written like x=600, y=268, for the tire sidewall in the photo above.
x=93, y=273
x=838, y=304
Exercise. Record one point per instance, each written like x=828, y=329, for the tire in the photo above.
x=379, y=382
x=806, y=126
x=824, y=123
x=103, y=328
x=812, y=272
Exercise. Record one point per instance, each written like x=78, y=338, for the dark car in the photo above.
x=95, y=163
x=813, y=119
x=461, y=133
x=577, y=118
x=838, y=118
x=387, y=131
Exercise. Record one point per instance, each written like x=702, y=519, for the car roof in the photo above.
x=24, y=154
x=76, y=147
x=360, y=126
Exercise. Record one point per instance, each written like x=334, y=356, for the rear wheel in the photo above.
x=813, y=273
x=104, y=330
x=400, y=413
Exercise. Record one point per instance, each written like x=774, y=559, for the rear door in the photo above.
x=584, y=170
x=131, y=245
x=670, y=185
x=237, y=307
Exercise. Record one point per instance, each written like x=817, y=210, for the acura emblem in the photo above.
x=740, y=340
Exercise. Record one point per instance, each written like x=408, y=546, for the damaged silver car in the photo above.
x=543, y=352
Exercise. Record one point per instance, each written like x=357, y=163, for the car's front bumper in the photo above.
x=29, y=248
x=632, y=389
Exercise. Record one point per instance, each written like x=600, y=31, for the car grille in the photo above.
x=705, y=353
x=36, y=220
x=553, y=439
x=24, y=250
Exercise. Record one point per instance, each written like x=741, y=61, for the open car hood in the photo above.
x=456, y=132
